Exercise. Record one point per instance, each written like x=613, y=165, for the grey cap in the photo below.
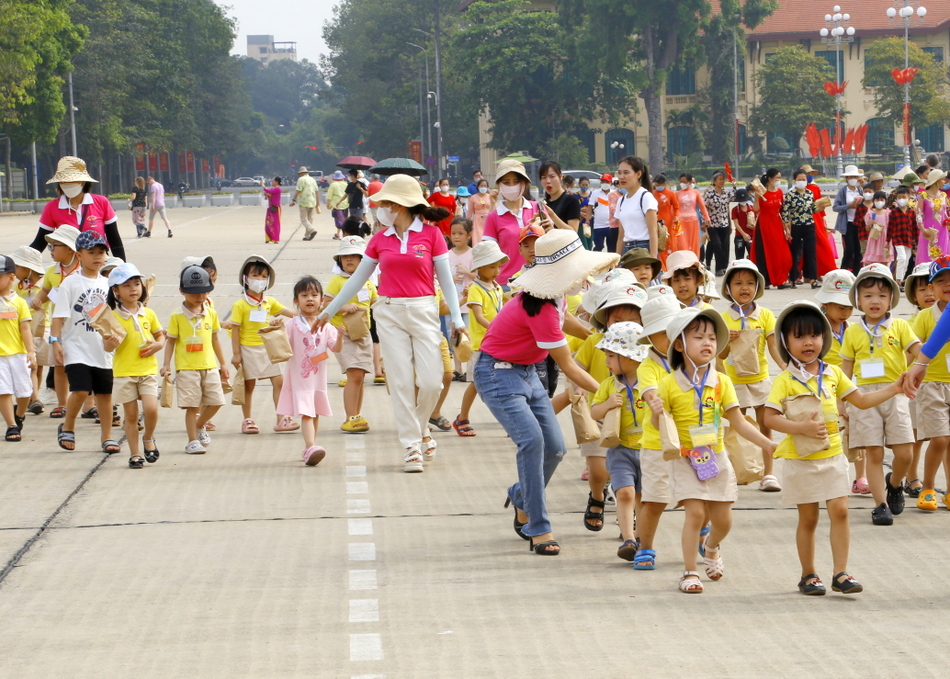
x=7, y=265
x=195, y=280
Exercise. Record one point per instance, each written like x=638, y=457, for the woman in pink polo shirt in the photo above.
x=410, y=253
x=78, y=207
x=523, y=333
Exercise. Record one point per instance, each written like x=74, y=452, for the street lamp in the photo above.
x=438, y=87
x=837, y=31
x=905, y=10
x=618, y=150
x=428, y=109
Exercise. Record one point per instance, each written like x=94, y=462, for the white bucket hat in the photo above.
x=825, y=327
x=595, y=293
x=65, y=235
x=655, y=291
x=875, y=271
x=111, y=264
x=686, y=316
x=28, y=258
x=302, y=169
x=401, y=189
x=624, y=339
x=920, y=271
x=934, y=177
x=560, y=263
x=71, y=169
x=350, y=245
x=197, y=261
x=836, y=288
x=657, y=312
x=487, y=252
x=617, y=293
x=271, y=274
x=708, y=289
x=744, y=265
x=681, y=259
x=852, y=171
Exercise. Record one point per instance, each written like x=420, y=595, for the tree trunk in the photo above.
x=651, y=102
x=8, y=193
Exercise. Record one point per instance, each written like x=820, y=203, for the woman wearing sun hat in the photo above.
x=848, y=198
x=78, y=207
x=410, y=252
x=932, y=216
x=523, y=333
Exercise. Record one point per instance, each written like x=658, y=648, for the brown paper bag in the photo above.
x=876, y=231
x=610, y=429
x=744, y=352
x=237, y=393
x=44, y=352
x=669, y=436
x=38, y=324
x=822, y=204
x=150, y=284
x=276, y=343
x=463, y=348
x=107, y=324
x=356, y=326
x=226, y=387
x=756, y=185
x=585, y=426
x=746, y=457
x=799, y=408
x=168, y=387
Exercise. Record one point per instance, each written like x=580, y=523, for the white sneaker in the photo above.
x=195, y=448
x=413, y=462
x=204, y=437
x=428, y=450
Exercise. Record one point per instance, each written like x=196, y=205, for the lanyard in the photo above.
x=630, y=399
x=698, y=388
x=742, y=314
x=249, y=298
x=492, y=294
x=132, y=315
x=696, y=300
x=666, y=366
x=840, y=335
x=872, y=334
x=821, y=375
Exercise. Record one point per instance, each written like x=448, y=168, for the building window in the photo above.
x=586, y=137
x=834, y=58
x=880, y=137
x=931, y=138
x=936, y=53
x=677, y=140
x=681, y=81
x=743, y=141
x=742, y=75
x=614, y=140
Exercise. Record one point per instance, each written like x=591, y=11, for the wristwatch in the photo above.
x=53, y=338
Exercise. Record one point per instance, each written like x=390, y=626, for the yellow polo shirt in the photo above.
x=895, y=336
x=127, y=362
x=761, y=319
x=649, y=375
x=490, y=299
x=241, y=316
x=680, y=400
x=11, y=339
x=364, y=298
x=185, y=325
x=833, y=357
x=938, y=370
x=593, y=359
x=631, y=419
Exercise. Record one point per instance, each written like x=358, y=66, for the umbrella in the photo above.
x=392, y=166
x=356, y=163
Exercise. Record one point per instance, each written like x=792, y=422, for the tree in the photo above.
x=928, y=90
x=792, y=94
x=567, y=150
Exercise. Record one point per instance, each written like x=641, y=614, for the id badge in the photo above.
x=871, y=368
x=704, y=435
x=258, y=316
x=362, y=295
x=53, y=295
x=319, y=358
x=9, y=315
x=194, y=343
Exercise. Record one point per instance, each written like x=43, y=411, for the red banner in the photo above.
x=181, y=163
x=140, y=157
x=415, y=151
x=190, y=159
x=907, y=140
x=152, y=162
x=220, y=171
x=204, y=165
x=163, y=162
x=217, y=162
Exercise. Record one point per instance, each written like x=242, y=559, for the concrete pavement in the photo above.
x=245, y=563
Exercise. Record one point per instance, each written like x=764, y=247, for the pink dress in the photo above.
x=272, y=220
x=932, y=214
x=879, y=250
x=478, y=208
x=304, y=393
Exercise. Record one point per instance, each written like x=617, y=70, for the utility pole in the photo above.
x=72, y=114
x=438, y=88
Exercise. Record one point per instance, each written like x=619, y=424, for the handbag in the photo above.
x=276, y=343
x=585, y=426
x=746, y=457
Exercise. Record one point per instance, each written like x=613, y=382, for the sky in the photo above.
x=299, y=21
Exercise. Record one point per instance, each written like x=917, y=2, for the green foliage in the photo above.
x=791, y=93
x=928, y=91
x=567, y=150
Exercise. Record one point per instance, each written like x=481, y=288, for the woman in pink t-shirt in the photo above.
x=410, y=253
x=523, y=333
x=78, y=207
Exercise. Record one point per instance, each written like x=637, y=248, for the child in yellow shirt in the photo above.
x=17, y=356
x=29, y=272
x=920, y=293
x=685, y=274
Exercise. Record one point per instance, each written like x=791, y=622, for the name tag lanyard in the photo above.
x=493, y=294
x=630, y=399
x=873, y=335
x=821, y=375
x=699, y=388
x=742, y=314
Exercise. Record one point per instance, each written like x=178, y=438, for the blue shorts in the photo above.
x=623, y=465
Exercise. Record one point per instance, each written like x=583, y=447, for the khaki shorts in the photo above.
x=447, y=364
x=655, y=476
x=198, y=388
x=257, y=365
x=128, y=389
x=593, y=449
x=356, y=354
x=885, y=425
x=933, y=409
x=754, y=394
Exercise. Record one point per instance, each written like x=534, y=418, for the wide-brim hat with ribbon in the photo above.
x=921, y=271
x=506, y=166
x=486, y=253
x=780, y=327
x=28, y=258
x=638, y=256
x=71, y=169
x=742, y=265
x=852, y=171
x=257, y=259
x=658, y=311
x=934, y=177
x=560, y=263
x=402, y=190
x=875, y=271
x=350, y=245
x=614, y=294
x=678, y=324
x=624, y=338
x=64, y=235
x=836, y=288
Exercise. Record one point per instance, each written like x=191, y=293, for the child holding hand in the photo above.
x=17, y=355
x=920, y=293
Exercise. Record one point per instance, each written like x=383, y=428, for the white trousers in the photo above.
x=410, y=343
x=903, y=256
x=306, y=219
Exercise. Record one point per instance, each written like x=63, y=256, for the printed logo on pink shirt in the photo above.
x=420, y=250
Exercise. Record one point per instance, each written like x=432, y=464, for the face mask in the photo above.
x=386, y=216
x=801, y=184
x=511, y=191
x=255, y=285
x=481, y=189
x=902, y=202
x=71, y=189
x=868, y=196
x=811, y=178
x=444, y=190
x=623, y=192
x=852, y=182
x=683, y=186
x=879, y=204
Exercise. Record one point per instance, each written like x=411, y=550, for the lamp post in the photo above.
x=905, y=10
x=837, y=31
x=735, y=95
x=440, y=159
x=72, y=114
x=428, y=109
x=618, y=151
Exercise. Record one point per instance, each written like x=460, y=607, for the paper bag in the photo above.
x=799, y=408
x=756, y=185
x=876, y=231
x=463, y=348
x=669, y=436
x=356, y=326
x=662, y=235
x=237, y=393
x=107, y=324
x=44, y=351
x=276, y=343
x=168, y=386
x=38, y=324
x=610, y=429
x=150, y=284
x=856, y=455
x=822, y=204
x=744, y=352
x=226, y=387
x=746, y=457
x=585, y=426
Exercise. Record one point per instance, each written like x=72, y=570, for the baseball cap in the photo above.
x=123, y=272
x=938, y=266
x=195, y=280
x=606, y=178
x=88, y=240
x=7, y=265
x=530, y=231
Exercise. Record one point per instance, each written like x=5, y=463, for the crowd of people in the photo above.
x=671, y=400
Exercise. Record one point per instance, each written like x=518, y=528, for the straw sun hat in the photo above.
x=561, y=263
x=402, y=190
x=71, y=169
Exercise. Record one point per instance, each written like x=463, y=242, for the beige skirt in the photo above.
x=807, y=481
x=687, y=486
x=257, y=365
x=754, y=394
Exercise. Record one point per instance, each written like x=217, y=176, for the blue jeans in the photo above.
x=631, y=244
x=519, y=402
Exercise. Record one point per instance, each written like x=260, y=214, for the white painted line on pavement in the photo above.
x=359, y=506
x=362, y=580
x=360, y=526
x=356, y=457
x=355, y=443
x=362, y=551
x=364, y=610
x=356, y=470
x=193, y=221
x=368, y=676
x=357, y=488
x=365, y=647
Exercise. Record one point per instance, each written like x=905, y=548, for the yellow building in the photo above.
x=265, y=50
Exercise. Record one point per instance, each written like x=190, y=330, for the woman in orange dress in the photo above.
x=480, y=204
x=690, y=200
x=668, y=212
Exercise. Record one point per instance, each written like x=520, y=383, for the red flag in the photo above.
x=814, y=140
x=848, y=141
x=729, y=173
x=860, y=136
x=825, y=144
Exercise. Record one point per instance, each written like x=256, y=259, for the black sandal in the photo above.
x=811, y=585
x=549, y=548
x=136, y=462
x=110, y=447
x=596, y=516
x=13, y=434
x=517, y=524
x=848, y=586
x=911, y=490
x=63, y=437
x=151, y=456
x=90, y=414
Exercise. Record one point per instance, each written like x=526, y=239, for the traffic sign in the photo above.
x=430, y=161
x=453, y=159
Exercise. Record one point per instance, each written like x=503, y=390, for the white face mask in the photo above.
x=852, y=182
x=879, y=204
x=801, y=184
x=255, y=285
x=385, y=216
x=902, y=202
x=683, y=186
x=483, y=189
x=71, y=189
x=868, y=196
x=444, y=190
x=511, y=191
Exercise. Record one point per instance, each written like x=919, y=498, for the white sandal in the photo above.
x=769, y=484
x=690, y=583
x=714, y=568
x=428, y=449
